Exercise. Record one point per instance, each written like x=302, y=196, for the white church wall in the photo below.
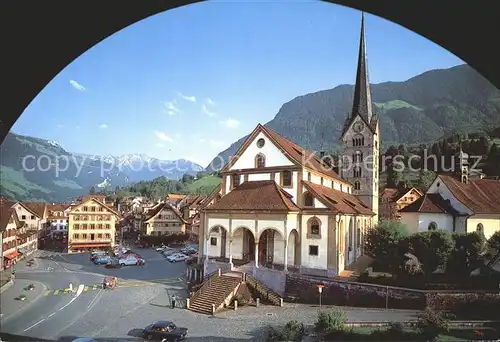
x=439, y=187
x=320, y=260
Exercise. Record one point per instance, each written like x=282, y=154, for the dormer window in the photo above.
x=308, y=200
x=260, y=161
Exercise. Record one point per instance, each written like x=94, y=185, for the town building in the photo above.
x=163, y=219
x=284, y=207
x=58, y=220
x=175, y=199
x=34, y=215
x=9, y=226
x=457, y=203
x=91, y=225
x=393, y=200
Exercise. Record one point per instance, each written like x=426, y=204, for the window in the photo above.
x=84, y=226
x=108, y=236
x=76, y=236
x=260, y=143
x=85, y=209
x=308, y=200
x=99, y=209
x=213, y=241
x=84, y=236
x=313, y=228
x=313, y=250
x=286, y=178
x=92, y=226
x=23, y=217
x=32, y=217
x=357, y=185
x=432, y=226
x=309, y=176
x=92, y=209
x=480, y=228
x=260, y=161
x=99, y=236
x=76, y=226
x=357, y=172
x=99, y=226
x=236, y=180
x=107, y=226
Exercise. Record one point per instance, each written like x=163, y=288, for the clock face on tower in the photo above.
x=358, y=127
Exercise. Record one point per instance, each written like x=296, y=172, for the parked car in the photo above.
x=164, y=330
x=95, y=254
x=177, y=257
x=168, y=252
x=113, y=264
x=102, y=260
x=129, y=260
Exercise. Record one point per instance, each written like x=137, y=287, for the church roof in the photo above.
x=431, y=204
x=297, y=154
x=482, y=196
x=338, y=201
x=263, y=195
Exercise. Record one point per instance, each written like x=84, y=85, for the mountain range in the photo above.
x=422, y=109
x=34, y=169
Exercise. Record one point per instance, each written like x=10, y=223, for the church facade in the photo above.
x=281, y=206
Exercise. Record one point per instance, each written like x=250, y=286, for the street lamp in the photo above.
x=320, y=290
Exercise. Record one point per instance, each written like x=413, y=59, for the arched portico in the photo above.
x=243, y=244
x=271, y=242
x=217, y=241
x=293, y=253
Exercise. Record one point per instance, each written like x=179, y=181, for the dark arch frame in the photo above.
x=45, y=49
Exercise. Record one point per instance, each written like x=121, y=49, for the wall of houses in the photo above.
x=419, y=222
x=31, y=220
x=489, y=224
x=9, y=240
x=91, y=223
x=165, y=223
x=438, y=187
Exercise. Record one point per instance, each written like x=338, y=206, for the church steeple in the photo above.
x=362, y=103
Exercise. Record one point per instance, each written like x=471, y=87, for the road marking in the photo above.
x=86, y=288
x=56, y=292
x=47, y=292
x=94, y=299
x=34, y=325
x=52, y=314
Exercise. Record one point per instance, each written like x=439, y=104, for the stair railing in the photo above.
x=206, y=284
x=264, y=291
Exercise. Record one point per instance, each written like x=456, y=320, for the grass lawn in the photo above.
x=208, y=181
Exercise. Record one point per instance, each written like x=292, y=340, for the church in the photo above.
x=284, y=208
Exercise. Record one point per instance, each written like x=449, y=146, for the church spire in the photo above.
x=362, y=103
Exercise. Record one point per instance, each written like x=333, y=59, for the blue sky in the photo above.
x=190, y=81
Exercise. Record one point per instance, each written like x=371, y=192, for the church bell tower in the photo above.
x=360, y=137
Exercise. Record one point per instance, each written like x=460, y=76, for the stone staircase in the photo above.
x=216, y=292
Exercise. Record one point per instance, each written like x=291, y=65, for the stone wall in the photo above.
x=274, y=279
x=212, y=266
x=338, y=292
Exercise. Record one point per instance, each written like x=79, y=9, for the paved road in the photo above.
x=56, y=313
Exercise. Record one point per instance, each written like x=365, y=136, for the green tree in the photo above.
x=394, y=176
x=432, y=248
x=493, y=245
x=92, y=191
x=425, y=179
x=466, y=256
x=187, y=178
x=493, y=161
x=382, y=243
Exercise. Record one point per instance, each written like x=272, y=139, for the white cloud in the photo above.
x=162, y=136
x=208, y=112
x=217, y=143
x=77, y=85
x=187, y=98
x=103, y=126
x=160, y=145
x=210, y=102
x=231, y=123
x=202, y=140
x=171, y=108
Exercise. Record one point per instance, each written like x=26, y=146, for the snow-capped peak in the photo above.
x=53, y=143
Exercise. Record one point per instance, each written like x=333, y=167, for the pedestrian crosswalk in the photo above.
x=121, y=284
